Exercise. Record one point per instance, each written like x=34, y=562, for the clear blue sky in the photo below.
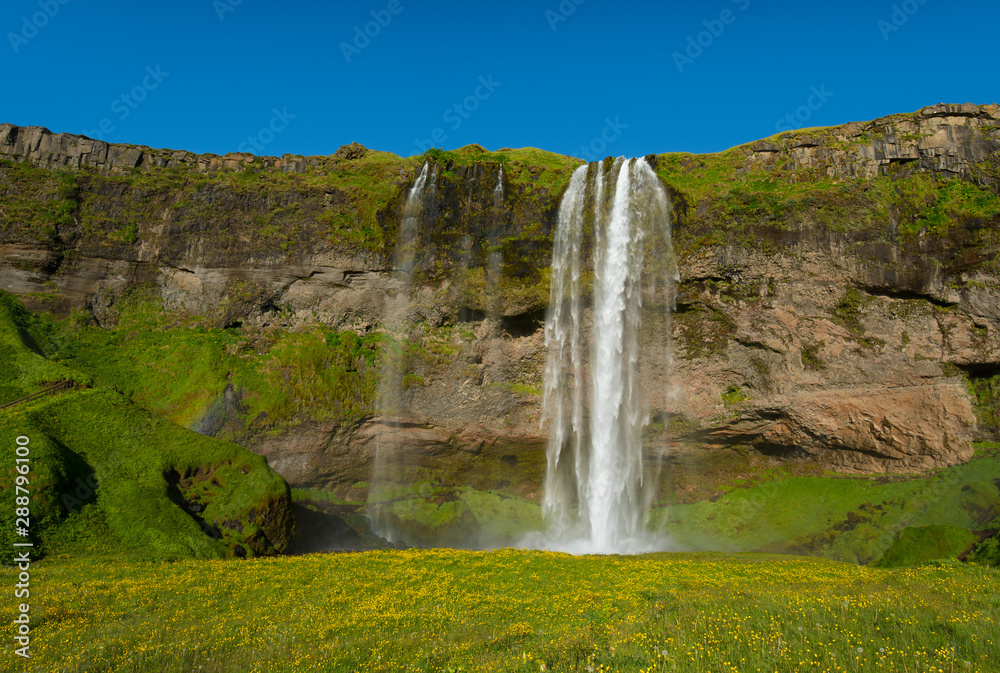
x=205, y=75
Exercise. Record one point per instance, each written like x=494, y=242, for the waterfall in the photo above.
x=597, y=490
x=495, y=258
x=391, y=402
x=498, y=190
x=412, y=209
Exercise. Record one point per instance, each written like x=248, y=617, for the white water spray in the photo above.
x=597, y=491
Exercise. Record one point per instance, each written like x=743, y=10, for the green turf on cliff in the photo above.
x=108, y=477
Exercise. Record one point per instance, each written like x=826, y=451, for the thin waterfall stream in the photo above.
x=391, y=403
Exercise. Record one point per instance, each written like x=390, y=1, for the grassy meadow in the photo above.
x=508, y=610
x=131, y=579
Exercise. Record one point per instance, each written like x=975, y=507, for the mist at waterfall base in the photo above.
x=612, y=269
x=600, y=481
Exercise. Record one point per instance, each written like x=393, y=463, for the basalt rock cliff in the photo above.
x=838, y=306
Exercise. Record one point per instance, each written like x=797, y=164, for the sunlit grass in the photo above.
x=509, y=611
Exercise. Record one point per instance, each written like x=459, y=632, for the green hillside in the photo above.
x=110, y=478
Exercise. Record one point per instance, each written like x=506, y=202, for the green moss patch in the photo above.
x=160, y=491
x=841, y=518
x=23, y=368
x=180, y=367
x=109, y=478
x=918, y=544
x=431, y=514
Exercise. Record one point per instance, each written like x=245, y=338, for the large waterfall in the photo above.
x=611, y=250
x=613, y=272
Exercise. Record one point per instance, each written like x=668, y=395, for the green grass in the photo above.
x=849, y=519
x=987, y=552
x=108, y=477
x=810, y=356
x=179, y=367
x=96, y=437
x=724, y=197
x=502, y=519
x=318, y=495
x=734, y=395
x=427, y=513
x=509, y=610
x=349, y=205
x=23, y=368
x=917, y=544
x=985, y=393
x=525, y=164
x=948, y=202
x=838, y=517
x=842, y=518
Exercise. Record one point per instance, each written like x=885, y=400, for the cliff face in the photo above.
x=854, y=320
x=63, y=150
x=839, y=299
x=942, y=139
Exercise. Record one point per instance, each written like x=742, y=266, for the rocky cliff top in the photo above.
x=46, y=149
x=953, y=139
x=950, y=138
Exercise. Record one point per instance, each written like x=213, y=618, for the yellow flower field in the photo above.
x=506, y=610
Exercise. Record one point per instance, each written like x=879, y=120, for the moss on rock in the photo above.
x=918, y=544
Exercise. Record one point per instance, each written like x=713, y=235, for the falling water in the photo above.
x=391, y=401
x=412, y=209
x=494, y=258
x=597, y=492
x=498, y=190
